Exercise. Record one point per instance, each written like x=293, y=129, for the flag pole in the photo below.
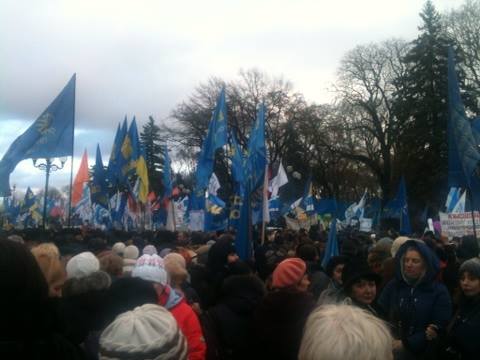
x=71, y=165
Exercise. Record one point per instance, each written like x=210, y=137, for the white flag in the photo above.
x=278, y=181
x=213, y=185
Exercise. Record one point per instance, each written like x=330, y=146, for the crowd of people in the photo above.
x=87, y=294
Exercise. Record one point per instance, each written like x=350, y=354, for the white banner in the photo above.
x=365, y=224
x=458, y=224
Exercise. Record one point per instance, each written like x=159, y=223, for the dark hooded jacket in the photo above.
x=464, y=329
x=230, y=320
x=411, y=308
x=278, y=324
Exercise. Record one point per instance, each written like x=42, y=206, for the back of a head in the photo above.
x=147, y=332
x=343, y=332
x=24, y=289
x=126, y=294
x=307, y=252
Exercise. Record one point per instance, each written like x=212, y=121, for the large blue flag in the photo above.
x=216, y=139
x=463, y=152
x=51, y=135
x=130, y=150
x=331, y=248
x=257, y=152
x=115, y=162
x=167, y=173
x=99, y=191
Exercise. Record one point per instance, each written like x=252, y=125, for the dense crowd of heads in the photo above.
x=87, y=294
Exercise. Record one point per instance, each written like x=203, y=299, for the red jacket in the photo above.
x=190, y=326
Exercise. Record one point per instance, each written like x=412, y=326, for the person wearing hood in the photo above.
x=230, y=320
x=152, y=268
x=220, y=257
x=280, y=317
x=465, y=326
x=417, y=306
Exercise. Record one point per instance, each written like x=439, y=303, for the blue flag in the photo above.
x=216, y=139
x=167, y=173
x=114, y=163
x=216, y=216
x=463, y=153
x=238, y=160
x=51, y=135
x=130, y=151
x=398, y=208
x=331, y=248
x=257, y=152
x=242, y=240
x=308, y=200
x=99, y=191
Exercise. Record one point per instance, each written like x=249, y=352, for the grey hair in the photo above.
x=343, y=332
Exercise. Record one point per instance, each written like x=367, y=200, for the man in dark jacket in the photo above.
x=230, y=320
x=415, y=303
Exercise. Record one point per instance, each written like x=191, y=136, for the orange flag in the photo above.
x=80, y=179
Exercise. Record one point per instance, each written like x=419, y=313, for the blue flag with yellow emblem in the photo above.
x=130, y=150
x=51, y=135
x=216, y=139
x=114, y=163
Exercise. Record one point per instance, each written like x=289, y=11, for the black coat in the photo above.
x=279, y=322
x=464, y=331
x=230, y=320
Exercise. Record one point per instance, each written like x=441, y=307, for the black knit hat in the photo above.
x=355, y=270
x=472, y=266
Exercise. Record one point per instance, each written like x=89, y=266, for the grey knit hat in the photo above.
x=472, y=266
x=147, y=332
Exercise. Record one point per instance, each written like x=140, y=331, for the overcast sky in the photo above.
x=142, y=57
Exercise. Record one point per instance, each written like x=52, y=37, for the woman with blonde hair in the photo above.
x=48, y=259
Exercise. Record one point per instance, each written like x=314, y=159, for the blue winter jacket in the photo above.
x=410, y=309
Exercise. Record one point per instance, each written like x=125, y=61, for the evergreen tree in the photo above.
x=422, y=105
x=151, y=141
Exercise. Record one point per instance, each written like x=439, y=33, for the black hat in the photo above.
x=355, y=270
x=471, y=266
x=333, y=262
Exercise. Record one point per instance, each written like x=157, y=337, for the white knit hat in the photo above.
x=118, y=248
x=82, y=265
x=147, y=332
x=131, y=252
x=151, y=268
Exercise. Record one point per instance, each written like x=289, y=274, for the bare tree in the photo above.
x=364, y=115
x=463, y=26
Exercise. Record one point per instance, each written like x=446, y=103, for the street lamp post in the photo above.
x=48, y=166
